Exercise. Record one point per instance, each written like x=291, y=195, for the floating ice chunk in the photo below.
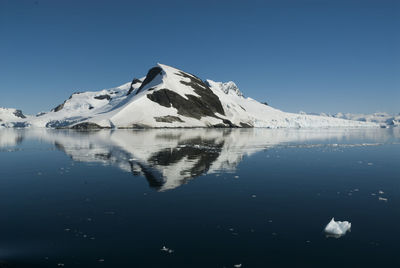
x=337, y=228
x=237, y=265
x=164, y=248
x=383, y=199
x=381, y=192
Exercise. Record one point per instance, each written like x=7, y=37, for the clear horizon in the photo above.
x=308, y=55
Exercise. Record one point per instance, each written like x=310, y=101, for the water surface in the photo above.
x=212, y=197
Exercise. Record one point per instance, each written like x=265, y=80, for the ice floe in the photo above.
x=337, y=228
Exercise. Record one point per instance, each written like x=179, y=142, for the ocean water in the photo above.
x=199, y=198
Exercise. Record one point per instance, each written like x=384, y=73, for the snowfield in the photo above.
x=170, y=98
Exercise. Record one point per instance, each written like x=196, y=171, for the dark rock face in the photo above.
x=86, y=126
x=193, y=107
x=208, y=104
x=103, y=97
x=40, y=114
x=59, y=107
x=205, y=93
x=168, y=119
x=152, y=73
x=134, y=81
x=18, y=113
x=265, y=103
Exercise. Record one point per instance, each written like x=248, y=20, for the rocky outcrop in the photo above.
x=152, y=73
x=192, y=107
x=168, y=119
x=205, y=104
x=87, y=126
x=103, y=97
x=59, y=107
x=18, y=113
x=134, y=81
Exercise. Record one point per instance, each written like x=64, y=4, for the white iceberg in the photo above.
x=337, y=228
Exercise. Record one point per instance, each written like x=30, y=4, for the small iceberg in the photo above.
x=337, y=228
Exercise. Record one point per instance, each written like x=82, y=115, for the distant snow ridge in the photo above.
x=10, y=117
x=169, y=98
x=383, y=119
x=227, y=87
x=10, y=113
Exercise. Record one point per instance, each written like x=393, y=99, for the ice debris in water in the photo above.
x=237, y=265
x=337, y=228
x=164, y=248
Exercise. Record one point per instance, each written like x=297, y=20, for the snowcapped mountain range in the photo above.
x=167, y=97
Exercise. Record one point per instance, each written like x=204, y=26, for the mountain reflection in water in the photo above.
x=168, y=158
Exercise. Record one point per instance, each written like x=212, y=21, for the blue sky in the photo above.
x=309, y=55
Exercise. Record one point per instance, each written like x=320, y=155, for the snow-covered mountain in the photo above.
x=168, y=97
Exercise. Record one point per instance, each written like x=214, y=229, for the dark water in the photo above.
x=216, y=198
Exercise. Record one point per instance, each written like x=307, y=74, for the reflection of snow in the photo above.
x=10, y=138
x=169, y=158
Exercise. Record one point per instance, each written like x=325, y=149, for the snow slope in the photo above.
x=168, y=97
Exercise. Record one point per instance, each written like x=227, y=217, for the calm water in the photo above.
x=214, y=198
